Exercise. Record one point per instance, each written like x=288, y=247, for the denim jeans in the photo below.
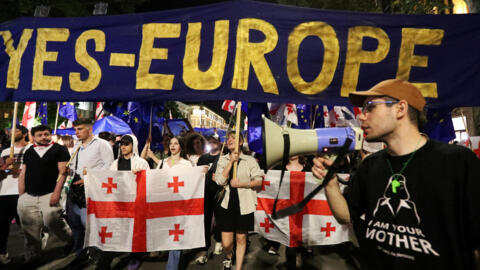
x=76, y=219
x=173, y=259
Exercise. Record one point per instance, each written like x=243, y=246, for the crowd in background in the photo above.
x=228, y=219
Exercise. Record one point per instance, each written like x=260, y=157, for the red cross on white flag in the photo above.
x=142, y=212
x=175, y=184
x=109, y=185
x=314, y=225
x=28, y=119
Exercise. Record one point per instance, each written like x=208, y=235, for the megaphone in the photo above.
x=304, y=141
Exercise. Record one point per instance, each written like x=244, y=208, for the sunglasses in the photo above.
x=370, y=105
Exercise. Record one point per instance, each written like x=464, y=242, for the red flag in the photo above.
x=228, y=105
x=29, y=114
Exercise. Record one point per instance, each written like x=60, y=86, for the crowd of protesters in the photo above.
x=32, y=190
x=47, y=198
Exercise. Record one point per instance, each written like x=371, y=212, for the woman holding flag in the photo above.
x=177, y=159
x=235, y=213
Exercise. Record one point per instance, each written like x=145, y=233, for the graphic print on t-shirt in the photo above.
x=396, y=198
x=395, y=226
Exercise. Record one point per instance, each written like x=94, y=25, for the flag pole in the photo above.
x=237, y=136
x=100, y=113
x=466, y=130
x=56, y=119
x=228, y=129
x=314, y=117
x=151, y=121
x=14, y=127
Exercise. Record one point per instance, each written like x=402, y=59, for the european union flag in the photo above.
x=303, y=115
x=439, y=125
x=67, y=110
x=116, y=109
x=42, y=113
x=137, y=116
x=318, y=116
x=254, y=114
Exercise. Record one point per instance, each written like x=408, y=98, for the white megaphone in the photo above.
x=304, y=141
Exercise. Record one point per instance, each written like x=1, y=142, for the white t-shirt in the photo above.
x=181, y=162
x=9, y=185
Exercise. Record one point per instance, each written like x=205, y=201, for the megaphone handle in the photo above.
x=299, y=206
x=331, y=157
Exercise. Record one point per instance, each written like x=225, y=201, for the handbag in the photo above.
x=76, y=193
x=220, y=194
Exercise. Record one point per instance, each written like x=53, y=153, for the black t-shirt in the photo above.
x=124, y=164
x=42, y=172
x=429, y=220
x=211, y=161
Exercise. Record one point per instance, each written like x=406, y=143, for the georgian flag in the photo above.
x=315, y=225
x=152, y=210
x=99, y=113
x=65, y=124
x=28, y=119
x=228, y=105
x=290, y=114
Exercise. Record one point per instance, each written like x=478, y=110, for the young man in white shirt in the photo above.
x=94, y=153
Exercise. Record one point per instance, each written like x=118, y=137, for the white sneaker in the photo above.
x=44, y=240
x=4, y=259
x=227, y=264
x=272, y=251
x=201, y=260
x=218, y=249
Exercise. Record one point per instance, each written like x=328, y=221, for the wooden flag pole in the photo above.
x=14, y=127
x=237, y=135
x=151, y=121
x=69, y=161
x=56, y=119
x=228, y=130
x=314, y=117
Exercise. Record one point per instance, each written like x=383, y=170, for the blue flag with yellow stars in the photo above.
x=439, y=125
x=116, y=108
x=318, y=116
x=42, y=113
x=67, y=110
x=303, y=116
x=254, y=114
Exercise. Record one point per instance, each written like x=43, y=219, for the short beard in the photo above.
x=43, y=144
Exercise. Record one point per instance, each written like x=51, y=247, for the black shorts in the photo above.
x=230, y=220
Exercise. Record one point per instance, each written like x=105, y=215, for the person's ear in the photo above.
x=401, y=109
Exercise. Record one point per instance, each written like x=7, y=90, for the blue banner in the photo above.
x=240, y=50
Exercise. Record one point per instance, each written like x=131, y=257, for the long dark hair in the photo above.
x=181, y=142
x=190, y=138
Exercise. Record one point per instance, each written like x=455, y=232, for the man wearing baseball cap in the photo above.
x=413, y=205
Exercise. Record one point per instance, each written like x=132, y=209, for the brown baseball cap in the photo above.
x=395, y=88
